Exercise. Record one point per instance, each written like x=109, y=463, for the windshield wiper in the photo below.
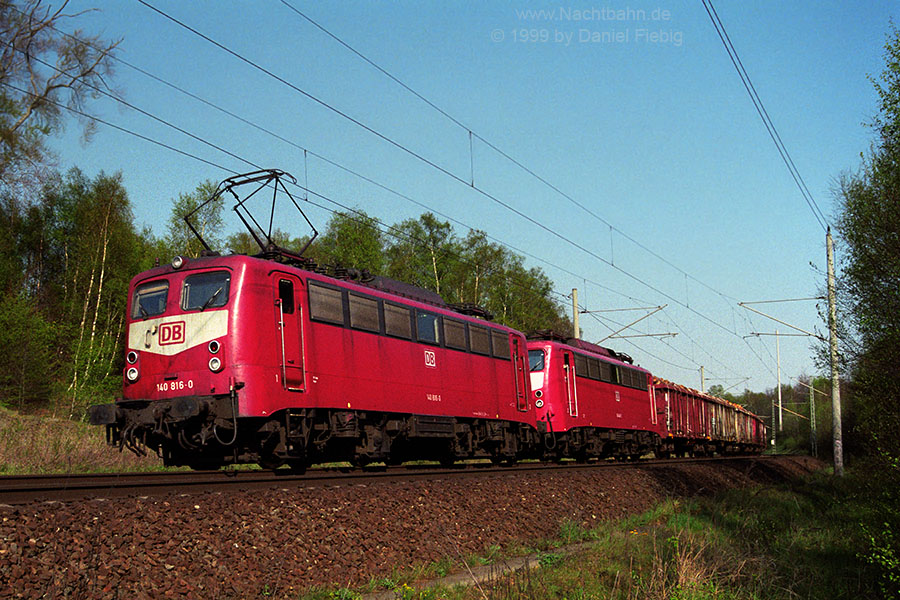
x=211, y=298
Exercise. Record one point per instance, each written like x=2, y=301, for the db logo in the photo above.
x=171, y=333
x=430, y=360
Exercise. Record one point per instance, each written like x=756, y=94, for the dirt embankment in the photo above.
x=277, y=543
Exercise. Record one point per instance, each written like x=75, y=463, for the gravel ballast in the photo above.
x=279, y=542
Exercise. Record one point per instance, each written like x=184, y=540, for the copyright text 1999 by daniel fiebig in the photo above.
x=604, y=25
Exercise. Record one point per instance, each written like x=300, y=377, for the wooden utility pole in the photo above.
x=576, y=332
x=835, y=371
x=702, y=381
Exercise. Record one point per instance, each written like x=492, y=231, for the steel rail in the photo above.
x=27, y=489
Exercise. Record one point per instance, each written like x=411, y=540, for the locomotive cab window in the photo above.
x=536, y=360
x=363, y=313
x=326, y=304
x=205, y=290
x=150, y=299
x=427, y=327
x=286, y=295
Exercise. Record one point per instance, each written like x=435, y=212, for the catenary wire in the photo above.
x=313, y=203
x=256, y=166
x=334, y=163
x=763, y=114
x=500, y=151
x=434, y=165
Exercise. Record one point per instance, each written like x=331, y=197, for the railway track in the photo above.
x=26, y=489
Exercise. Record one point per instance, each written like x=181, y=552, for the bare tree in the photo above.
x=43, y=70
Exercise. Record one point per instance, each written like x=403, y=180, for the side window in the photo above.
x=150, y=299
x=205, y=290
x=454, y=334
x=427, y=327
x=325, y=304
x=593, y=368
x=500, y=344
x=286, y=295
x=640, y=380
x=479, y=340
x=581, y=365
x=606, y=372
x=396, y=321
x=363, y=313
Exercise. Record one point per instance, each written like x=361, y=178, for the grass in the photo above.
x=801, y=541
x=35, y=444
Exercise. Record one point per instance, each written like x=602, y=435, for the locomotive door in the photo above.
x=569, y=380
x=289, y=323
x=520, y=374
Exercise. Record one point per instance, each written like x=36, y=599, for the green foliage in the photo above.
x=883, y=555
x=243, y=243
x=29, y=362
x=550, y=559
x=572, y=532
x=352, y=240
x=207, y=221
x=65, y=264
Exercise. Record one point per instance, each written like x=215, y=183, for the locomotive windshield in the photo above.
x=205, y=290
x=536, y=360
x=150, y=299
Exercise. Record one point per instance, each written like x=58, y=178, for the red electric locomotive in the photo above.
x=593, y=400
x=241, y=359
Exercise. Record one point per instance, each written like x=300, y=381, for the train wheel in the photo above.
x=270, y=462
x=298, y=467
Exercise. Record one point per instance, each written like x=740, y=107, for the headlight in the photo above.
x=215, y=364
x=131, y=357
x=538, y=403
x=213, y=347
x=132, y=374
x=177, y=262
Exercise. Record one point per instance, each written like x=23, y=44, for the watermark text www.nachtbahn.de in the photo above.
x=597, y=25
x=602, y=13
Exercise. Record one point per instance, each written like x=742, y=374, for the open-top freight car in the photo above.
x=701, y=424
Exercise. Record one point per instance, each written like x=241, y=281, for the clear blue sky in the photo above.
x=656, y=136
